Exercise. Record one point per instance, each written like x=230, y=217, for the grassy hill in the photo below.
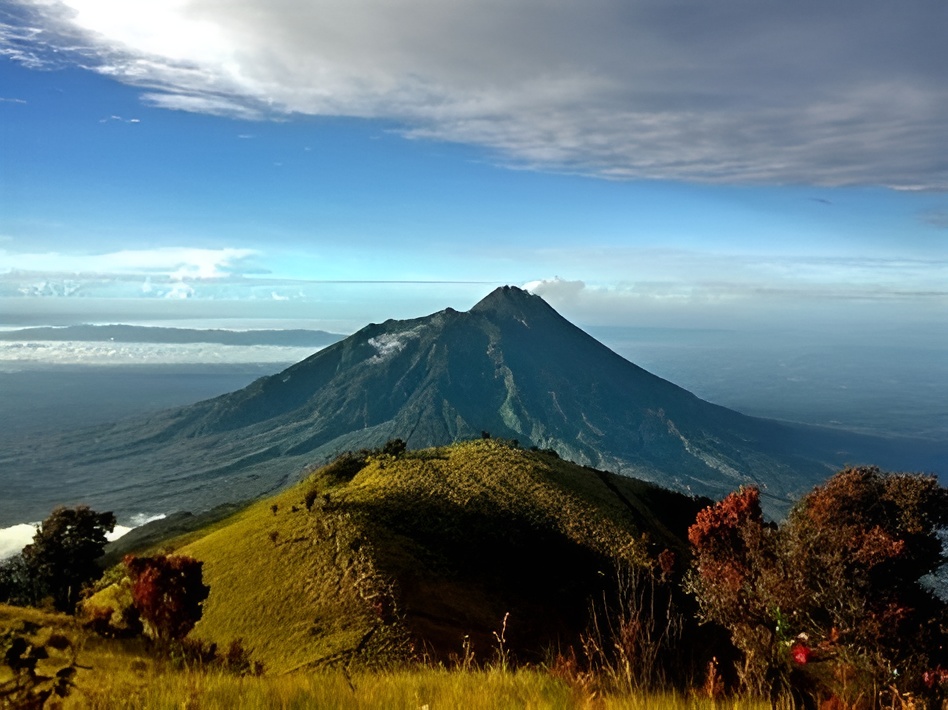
x=375, y=558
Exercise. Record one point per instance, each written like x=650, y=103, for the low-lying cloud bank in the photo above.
x=18, y=355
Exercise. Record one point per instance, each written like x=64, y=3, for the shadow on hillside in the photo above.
x=461, y=569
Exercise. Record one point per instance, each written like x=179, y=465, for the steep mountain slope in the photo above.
x=379, y=558
x=511, y=366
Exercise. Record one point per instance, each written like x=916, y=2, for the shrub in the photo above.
x=17, y=585
x=394, y=447
x=168, y=592
x=831, y=600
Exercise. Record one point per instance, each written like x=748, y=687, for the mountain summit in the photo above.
x=511, y=366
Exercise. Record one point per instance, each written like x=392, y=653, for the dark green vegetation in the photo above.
x=511, y=365
x=60, y=560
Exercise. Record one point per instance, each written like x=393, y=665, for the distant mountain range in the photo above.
x=150, y=334
x=511, y=367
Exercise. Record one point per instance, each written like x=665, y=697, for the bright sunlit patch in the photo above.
x=160, y=28
x=15, y=538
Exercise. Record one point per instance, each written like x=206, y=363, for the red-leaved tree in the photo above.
x=832, y=598
x=168, y=592
x=735, y=578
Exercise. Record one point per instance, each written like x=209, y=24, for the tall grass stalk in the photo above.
x=634, y=642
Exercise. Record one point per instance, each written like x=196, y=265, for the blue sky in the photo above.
x=636, y=163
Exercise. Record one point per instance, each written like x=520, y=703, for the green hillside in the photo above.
x=378, y=558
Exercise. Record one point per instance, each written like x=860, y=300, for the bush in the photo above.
x=168, y=592
x=830, y=603
x=394, y=447
x=35, y=672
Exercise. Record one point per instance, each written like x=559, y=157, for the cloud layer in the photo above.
x=17, y=356
x=732, y=91
x=177, y=263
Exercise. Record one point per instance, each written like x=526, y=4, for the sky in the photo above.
x=331, y=163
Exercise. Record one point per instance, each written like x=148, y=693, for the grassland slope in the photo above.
x=380, y=557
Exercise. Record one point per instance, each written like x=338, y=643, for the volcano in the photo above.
x=511, y=367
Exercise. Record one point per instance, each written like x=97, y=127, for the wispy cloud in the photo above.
x=12, y=101
x=718, y=92
x=119, y=119
x=695, y=277
x=834, y=306
x=177, y=263
x=18, y=355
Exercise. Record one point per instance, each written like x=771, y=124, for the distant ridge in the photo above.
x=150, y=334
x=511, y=366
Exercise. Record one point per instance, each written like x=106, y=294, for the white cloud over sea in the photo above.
x=16, y=356
x=14, y=538
x=733, y=91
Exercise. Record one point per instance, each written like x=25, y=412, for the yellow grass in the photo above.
x=282, y=583
x=123, y=674
x=301, y=588
x=410, y=690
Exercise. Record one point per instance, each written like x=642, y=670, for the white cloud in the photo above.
x=25, y=354
x=14, y=538
x=120, y=119
x=694, y=285
x=180, y=291
x=175, y=262
x=718, y=92
x=555, y=289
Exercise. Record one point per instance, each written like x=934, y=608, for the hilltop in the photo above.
x=385, y=557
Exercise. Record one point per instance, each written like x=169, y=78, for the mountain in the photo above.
x=511, y=366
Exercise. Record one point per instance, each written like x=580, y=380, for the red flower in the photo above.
x=800, y=653
x=935, y=677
